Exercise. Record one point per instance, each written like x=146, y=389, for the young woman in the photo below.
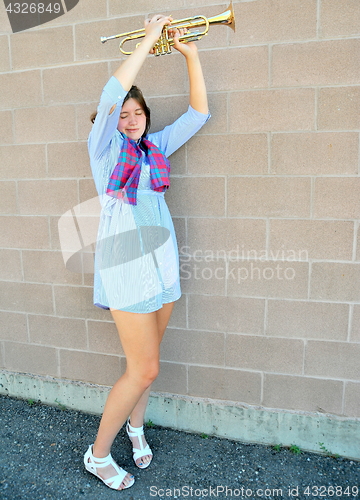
x=136, y=262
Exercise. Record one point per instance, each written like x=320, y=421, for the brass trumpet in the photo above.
x=165, y=42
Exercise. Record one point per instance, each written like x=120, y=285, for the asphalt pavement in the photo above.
x=42, y=448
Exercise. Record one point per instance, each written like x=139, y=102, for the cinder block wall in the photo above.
x=265, y=201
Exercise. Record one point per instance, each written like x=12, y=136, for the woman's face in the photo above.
x=132, y=121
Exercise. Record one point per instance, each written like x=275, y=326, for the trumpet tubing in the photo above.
x=164, y=44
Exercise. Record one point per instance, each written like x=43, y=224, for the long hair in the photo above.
x=135, y=93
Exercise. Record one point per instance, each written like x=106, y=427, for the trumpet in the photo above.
x=165, y=42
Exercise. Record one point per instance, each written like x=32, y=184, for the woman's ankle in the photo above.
x=136, y=422
x=99, y=451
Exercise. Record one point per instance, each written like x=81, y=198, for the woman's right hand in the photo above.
x=155, y=25
x=130, y=67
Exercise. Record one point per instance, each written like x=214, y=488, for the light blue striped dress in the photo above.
x=136, y=258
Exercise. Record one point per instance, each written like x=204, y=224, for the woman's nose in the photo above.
x=133, y=119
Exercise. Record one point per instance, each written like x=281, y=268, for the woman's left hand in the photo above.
x=187, y=49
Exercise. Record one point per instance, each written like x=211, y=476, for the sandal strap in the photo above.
x=115, y=481
x=141, y=453
x=92, y=463
x=101, y=462
x=135, y=431
x=138, y=432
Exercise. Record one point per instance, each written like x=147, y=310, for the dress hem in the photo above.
x=136, y=312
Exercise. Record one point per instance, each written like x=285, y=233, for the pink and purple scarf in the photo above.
x=124, y=180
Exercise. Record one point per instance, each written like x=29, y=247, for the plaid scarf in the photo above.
x=126, y=174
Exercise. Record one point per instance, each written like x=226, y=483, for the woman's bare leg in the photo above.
x=140, y=340
x=162, y=319
x=138, y=413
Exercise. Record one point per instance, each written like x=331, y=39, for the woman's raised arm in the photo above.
x=198, y=94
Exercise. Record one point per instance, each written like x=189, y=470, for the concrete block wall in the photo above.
x=265, y=200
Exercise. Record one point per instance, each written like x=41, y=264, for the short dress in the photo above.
x=136, y=258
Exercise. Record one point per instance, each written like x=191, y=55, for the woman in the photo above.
x=136, y=263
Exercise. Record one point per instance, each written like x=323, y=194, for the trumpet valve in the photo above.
x=162, y=46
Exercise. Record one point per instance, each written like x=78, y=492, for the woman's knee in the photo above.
x=151, y=376
x=145, y=375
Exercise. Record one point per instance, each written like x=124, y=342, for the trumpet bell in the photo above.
x=227, y=18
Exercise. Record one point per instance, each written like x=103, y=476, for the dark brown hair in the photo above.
x=135, y=93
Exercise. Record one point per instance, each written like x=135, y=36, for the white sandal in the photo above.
x=144, y=450
x=113, y=482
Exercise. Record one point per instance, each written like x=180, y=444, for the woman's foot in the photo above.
x=108, y=471
x=141, y=450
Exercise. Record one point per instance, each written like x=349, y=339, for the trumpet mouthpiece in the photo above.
x=103, y=39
